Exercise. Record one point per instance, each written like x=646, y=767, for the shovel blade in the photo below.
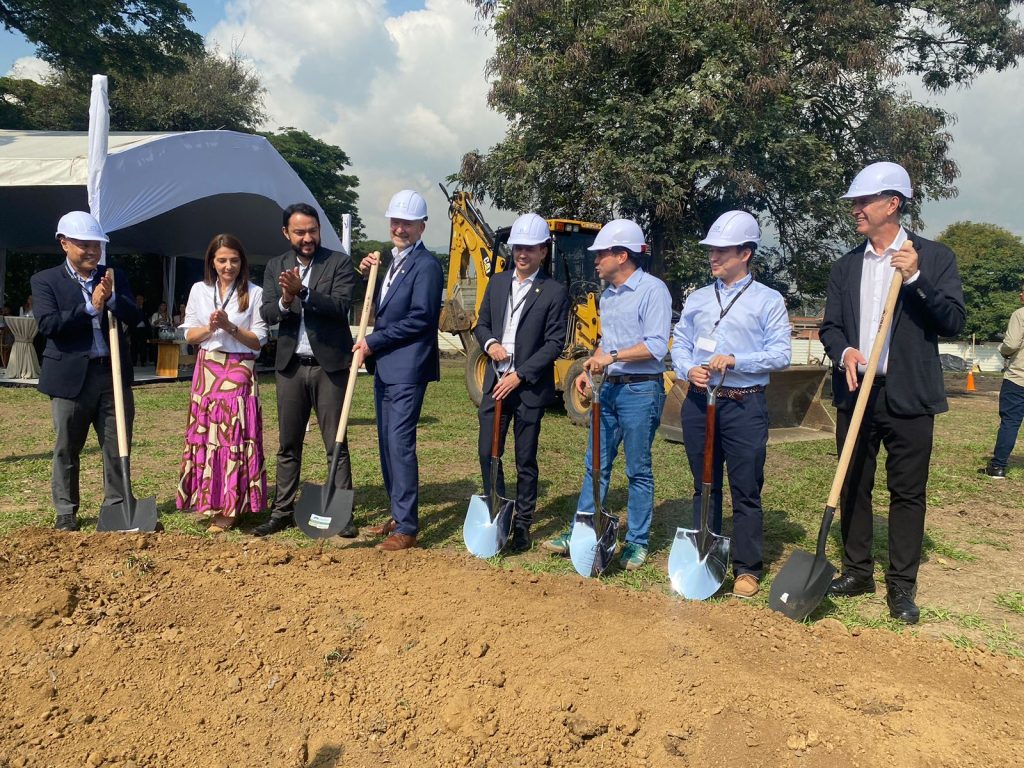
x=486, y=536
x=801, y=585
x=697, y=576
x=140, y=515
x=320, y=520
x=590, y=556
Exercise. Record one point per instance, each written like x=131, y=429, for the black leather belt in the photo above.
x=102, y=362
x=635, y=378
x=306, y=360
x=727, y=393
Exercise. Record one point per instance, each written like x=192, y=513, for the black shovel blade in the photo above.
x=801, y=585
x=804, y=580
x=139, y=515
x=321, y=518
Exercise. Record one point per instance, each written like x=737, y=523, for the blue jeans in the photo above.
x=1011, y=413
x=630, y=414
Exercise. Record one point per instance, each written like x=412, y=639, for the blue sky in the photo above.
x=419, y=65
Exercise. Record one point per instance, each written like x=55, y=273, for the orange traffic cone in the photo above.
x=970, y=380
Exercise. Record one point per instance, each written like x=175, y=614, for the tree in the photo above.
x=209, y=91
x=674, y=112
x=991, y=261
x=105, y=35
x=321, y=166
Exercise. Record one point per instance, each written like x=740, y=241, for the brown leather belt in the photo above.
x=727, y=393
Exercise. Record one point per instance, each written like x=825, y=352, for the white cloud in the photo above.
x=29, y=68
x=990, y=119
x=404, y=96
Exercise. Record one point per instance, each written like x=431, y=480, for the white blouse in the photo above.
x=201, y=305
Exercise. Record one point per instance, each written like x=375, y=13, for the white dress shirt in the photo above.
x=513, y=311
x=201, y=305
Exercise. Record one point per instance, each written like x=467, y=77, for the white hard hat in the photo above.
x=619, y=233
x=529, y=229
x=407, y=205
x=733, y=228
x=880, y=177
x=79, y=225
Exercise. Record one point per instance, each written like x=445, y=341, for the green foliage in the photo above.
x=321, y=166
x=105, y=35
x=673, y=112
x=208, y=91
x=991, y=263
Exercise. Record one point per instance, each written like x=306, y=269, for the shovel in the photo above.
x=804, y=579
x=489, y=521
x=593, y=538
x=323, y=511
x=131, y=515
x=699, y=559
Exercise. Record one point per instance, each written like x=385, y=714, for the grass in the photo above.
x=798, y=479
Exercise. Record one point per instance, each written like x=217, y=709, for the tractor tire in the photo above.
x=577, y=408
x=476, y=367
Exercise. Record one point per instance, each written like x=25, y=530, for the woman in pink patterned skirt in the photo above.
x=222, y=470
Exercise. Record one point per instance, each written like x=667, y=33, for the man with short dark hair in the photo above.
x=307, y=291
x=71, y=304
x=636, y=319
x=521, y=327
x=908, y=389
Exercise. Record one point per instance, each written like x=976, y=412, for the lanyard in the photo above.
x=216, y=293
x=722, y=312
x=512, y=309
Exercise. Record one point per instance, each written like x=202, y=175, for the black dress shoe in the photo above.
x=901, y=604
x=520, y=541
x=272, y=526
x=349, y=531
x=851, y=585
x=66, y=523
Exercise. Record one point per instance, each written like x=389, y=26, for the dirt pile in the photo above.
x=133, y=650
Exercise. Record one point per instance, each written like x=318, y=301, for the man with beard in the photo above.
x=308, y=290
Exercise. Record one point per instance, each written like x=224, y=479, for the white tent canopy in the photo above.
x=163, y=193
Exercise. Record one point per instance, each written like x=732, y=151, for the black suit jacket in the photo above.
x=59, y=309
x=540, y=335
x=930, y=307
x=332, y=280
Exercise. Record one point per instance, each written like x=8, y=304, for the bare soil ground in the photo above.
x=168, y=650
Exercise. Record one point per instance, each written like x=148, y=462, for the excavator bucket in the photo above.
x=795, y=410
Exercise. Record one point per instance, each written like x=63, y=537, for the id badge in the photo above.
x=706, y=344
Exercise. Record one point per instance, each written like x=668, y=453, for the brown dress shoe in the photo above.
x=384, y=529
x=396, y=542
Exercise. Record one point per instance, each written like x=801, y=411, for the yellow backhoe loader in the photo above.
x=476, y=252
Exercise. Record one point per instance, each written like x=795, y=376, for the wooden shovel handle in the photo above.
x=865, y=389
x=115, y=369
x=357, y=358
x=496, y=430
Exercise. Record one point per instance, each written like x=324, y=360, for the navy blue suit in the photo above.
x=405, y=358
x=80, y=385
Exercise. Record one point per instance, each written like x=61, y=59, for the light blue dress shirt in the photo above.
x=639, y=310
x=755, y=331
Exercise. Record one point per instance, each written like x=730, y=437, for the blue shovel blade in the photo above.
x=693, y=576
x=583, y=544
x=484, y=537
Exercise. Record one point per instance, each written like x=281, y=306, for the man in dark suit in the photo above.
x=908, y=389
x=71, y=303
x=403, y=352
x=521, y=327
x=307, y=291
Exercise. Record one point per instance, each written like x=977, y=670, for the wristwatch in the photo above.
x=615, y=355
x=303, y=293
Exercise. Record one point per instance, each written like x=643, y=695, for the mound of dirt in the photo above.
x=135, y=650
